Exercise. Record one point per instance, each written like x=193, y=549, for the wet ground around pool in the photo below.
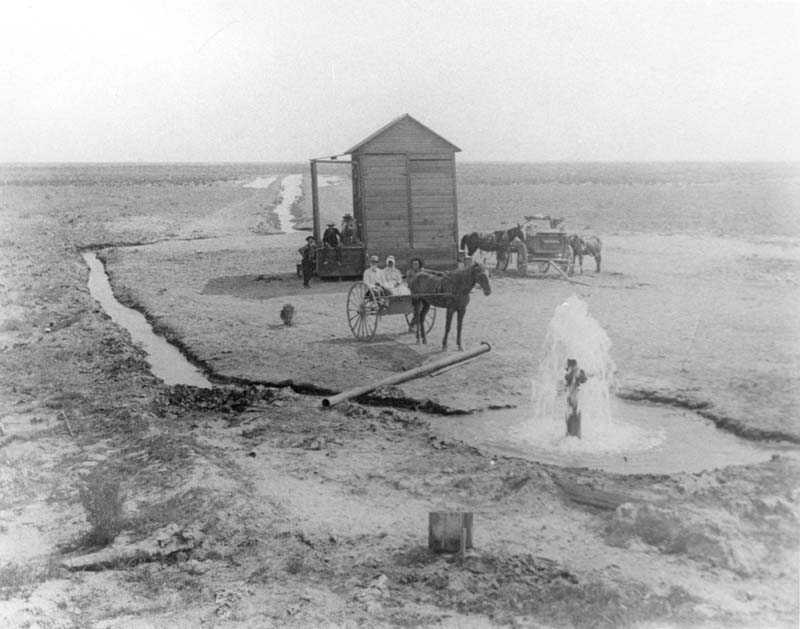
x=644, y=438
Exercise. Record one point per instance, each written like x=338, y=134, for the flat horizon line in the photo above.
x=465, y=161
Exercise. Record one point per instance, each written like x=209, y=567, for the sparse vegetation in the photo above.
x=19, y=580
x=102, y=499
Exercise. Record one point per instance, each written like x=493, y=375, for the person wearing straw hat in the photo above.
x=372, y=274
x=348, y=230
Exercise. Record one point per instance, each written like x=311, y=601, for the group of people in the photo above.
x=332, y=237
x=346, y=235
x=389, y=279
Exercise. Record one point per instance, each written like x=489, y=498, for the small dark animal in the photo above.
x=287, y=314
x=586, y=245
x=449, y=290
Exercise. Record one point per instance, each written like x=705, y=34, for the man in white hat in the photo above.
x=372, y=274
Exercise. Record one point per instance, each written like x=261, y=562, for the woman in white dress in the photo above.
x=392, y=279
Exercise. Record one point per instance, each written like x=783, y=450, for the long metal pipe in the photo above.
x=407, y=375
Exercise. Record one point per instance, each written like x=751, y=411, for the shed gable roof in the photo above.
x=405, y=119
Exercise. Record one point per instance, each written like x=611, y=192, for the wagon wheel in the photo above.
x=430, y=319
x=362, y=311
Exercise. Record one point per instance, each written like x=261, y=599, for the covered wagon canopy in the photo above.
x=404, y=193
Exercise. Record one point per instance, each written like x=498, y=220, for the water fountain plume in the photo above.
x=613, y=435
x=574, y=335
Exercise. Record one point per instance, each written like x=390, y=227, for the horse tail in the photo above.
x=464, y=241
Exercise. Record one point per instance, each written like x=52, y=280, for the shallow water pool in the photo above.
x=644, y=438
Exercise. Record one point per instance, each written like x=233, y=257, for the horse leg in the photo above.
x=448, y=321
x=417, y=309
x=459, y=323
x=597, y=259
x=421, y=322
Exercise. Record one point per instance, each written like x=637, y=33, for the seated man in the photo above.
x=348, y=230
x=331, y=236
x=392, y=279
x=373, y=274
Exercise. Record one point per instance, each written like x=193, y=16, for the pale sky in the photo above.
x=507, y=80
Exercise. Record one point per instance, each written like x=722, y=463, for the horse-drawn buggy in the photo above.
x=367, y=304
x=429, y=290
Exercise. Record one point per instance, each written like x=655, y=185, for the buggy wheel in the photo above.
x=362, y=311
x=430, y=319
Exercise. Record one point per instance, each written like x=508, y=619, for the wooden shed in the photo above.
x=404, y=194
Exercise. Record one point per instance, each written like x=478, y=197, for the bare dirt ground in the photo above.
x=249, y=506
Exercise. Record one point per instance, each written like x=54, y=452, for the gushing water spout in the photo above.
x=581, y=393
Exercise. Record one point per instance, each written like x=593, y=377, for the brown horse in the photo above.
x=447, y=290
x=498, y=242
x=586, y=245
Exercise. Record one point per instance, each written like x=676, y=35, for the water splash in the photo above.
x=616, y=436
x=574, y=334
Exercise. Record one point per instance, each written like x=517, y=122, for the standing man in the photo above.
x=574, y=377
x=521, y=248
x=309, y=253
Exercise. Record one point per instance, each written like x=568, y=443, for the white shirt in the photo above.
x=373, y=275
